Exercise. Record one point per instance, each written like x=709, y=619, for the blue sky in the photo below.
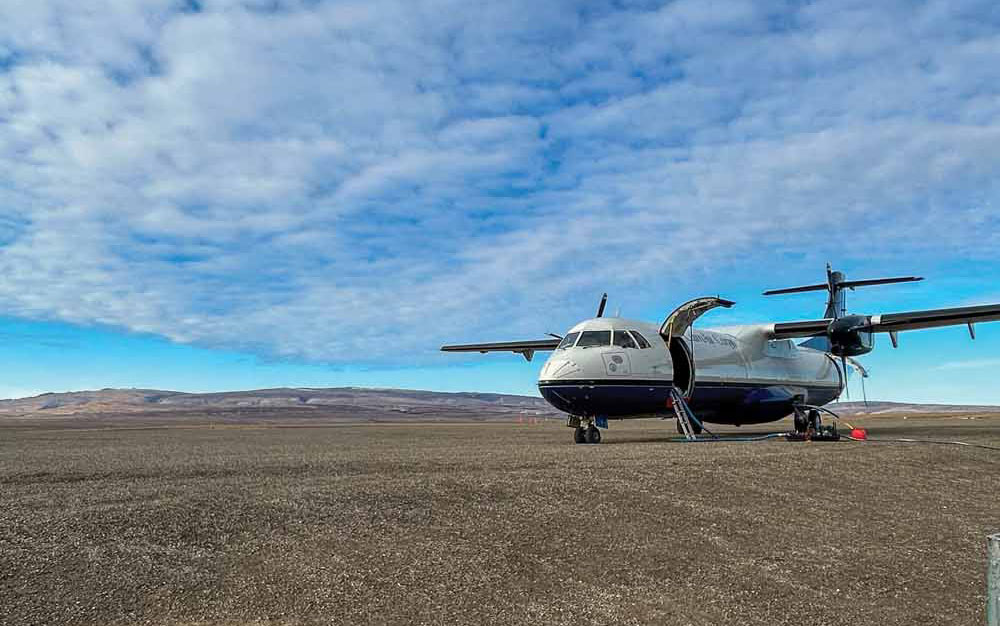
x=234, y=194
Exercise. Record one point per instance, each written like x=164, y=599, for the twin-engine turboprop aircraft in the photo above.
x=608, y=367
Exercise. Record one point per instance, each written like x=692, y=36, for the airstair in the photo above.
x=685, y=416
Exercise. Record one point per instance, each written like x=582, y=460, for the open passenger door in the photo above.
x=673, y=329
x=678, y=322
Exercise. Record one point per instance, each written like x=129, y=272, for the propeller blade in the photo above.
x=864, y=394
x=600, y=308
x=847, y=387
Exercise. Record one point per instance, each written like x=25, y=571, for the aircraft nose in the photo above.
x=560, y=367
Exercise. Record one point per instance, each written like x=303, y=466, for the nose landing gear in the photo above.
x=585, y=429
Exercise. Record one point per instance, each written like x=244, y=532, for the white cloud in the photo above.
x=361, y=181
x=970, y=364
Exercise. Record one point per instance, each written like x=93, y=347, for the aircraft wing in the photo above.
x=914, y=320
x=895, y=322
x=526, y=349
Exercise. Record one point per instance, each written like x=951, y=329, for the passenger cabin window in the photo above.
x=640, y=339
x=624, y=340
x=567, y=341
x=594, y=338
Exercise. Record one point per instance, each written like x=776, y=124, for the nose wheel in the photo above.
x=590, y=434
x=586, y=432
x=593, y=435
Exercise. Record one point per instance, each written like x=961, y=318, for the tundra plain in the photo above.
x=284, y=519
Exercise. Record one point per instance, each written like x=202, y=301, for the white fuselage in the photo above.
x=730, y=375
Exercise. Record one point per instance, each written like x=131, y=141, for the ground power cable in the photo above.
x=721, y=439
x=718, y=439
x=934, y=441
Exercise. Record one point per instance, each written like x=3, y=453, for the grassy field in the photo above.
x=491, y=523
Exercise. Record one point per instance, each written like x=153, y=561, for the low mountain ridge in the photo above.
x=121, y=401
x=907, y=408
x=360, y=401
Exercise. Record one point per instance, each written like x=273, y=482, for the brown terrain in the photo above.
x=353, y=404
x=309, y=514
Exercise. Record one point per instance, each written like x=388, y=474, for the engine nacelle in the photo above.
x=847, y=337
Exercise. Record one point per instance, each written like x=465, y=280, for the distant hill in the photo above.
x=353, y=403
x=344, y=401
x=903, y=408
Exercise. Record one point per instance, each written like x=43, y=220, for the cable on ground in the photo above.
x=717, y=438
x=934, y=441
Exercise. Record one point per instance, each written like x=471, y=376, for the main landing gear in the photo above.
x=585, y=429
x=809, y=426
x=804, y=419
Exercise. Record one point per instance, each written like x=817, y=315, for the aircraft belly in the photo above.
x=750, y=402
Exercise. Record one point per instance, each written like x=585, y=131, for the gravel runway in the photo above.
x=492, y=524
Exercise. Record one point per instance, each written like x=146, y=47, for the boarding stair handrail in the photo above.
x=684, y=413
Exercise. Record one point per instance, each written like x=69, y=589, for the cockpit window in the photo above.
x=568, y=341
x=624, y=340
x=592, y=338
x=639, y=338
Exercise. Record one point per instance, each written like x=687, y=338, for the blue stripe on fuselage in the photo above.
x=716, y=402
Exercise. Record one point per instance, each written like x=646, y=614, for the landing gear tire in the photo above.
x=801, y=422
x=593, y=435
x=580, y=436
x=814, y=420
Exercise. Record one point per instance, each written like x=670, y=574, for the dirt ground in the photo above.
x=492, y=523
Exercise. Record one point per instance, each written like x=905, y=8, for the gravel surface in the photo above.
x=492, y=523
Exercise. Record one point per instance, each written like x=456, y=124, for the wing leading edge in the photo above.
x=526, y=349
x=915, y=320
x=895, y=322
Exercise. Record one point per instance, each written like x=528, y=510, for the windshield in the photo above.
x=639, y=338
x=624, y=340
x=568, y=341
x=592, y=338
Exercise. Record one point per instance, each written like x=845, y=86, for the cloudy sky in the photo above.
x=222, y=194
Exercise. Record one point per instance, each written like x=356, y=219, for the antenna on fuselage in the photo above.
x=600, y=308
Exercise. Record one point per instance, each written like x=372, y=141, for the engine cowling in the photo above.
x=848, y=336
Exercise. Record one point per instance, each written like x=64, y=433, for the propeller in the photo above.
x=600, y=308
x=860, y=369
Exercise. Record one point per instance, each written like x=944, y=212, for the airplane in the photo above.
x=614, y=368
